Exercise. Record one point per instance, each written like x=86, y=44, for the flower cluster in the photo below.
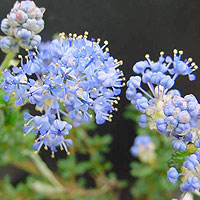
x=72, y=75
x=189, y=174
x=22, y=26
x=159, y=113
x=181, y=121
x=144, y=149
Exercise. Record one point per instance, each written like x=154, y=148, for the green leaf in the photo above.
x=140, y=170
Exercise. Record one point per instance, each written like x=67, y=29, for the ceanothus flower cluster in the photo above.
x=65, y=77
x=22, y=26
x=143, y=148
x=190, y=174
x=157, y=109
x=181, y=121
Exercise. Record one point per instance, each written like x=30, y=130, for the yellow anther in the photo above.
x=116, y=109
x=25, y=125
x=61, y=148
x=12, y=73
x=110, y=116
x=68, y=153
x=46, y=148
x=26, y=49
x=111, y=103
x=52, y=156
x=87, y=58
x=196, y=67
x=107, y=49
x=98, y=39
x=162, y=53
x=44, y=92
x=106, y=42
x=180, y=52
x=25, y=135
x=110, y=120
x=35, y=47
x=115, y=101
x=41, y=137
x=56, y=64
x=74, y=35
x=36, y=152
x=123, y=84
x=80, y=112
x=47, y=136
x=94, y=89
x=13, y=93
x=26, y=57
x=175, y=51
x=101, y=103
x=20, y=68
x=44, y=76
x=86, y=33
x=147, y=56
x=90, y=116
x=80, y=37
x=70, y=35
x=5, y=70
x=38, y=128
x=123, y=78
x=19, y=56
x=98, y=57
x=52, y=78
x=101, y=64
x=34, y=54
x=61, y=84
x=121, y=62
x=73, y=63
x=193, y=64
x=115, y=61
x=118, y=98
x=118, y=70
x=190, y=59
x=83, y=48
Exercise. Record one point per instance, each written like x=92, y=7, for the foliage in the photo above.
x=85, y=174
x=151, y=180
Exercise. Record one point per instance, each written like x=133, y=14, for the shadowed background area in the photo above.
x=133, y=28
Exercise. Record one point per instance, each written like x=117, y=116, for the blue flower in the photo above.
x=179, y=145
x=74, y=76
x=143, y=148
x=191, y=162
x=172, y=175
x=160, y=77
x=191, y=185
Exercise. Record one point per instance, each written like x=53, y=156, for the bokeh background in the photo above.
x=133, y=28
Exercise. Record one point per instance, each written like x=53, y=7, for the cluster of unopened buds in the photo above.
x=22, y=26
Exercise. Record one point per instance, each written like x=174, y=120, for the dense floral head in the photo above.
x=181, y=121
x=22, y=26
x=73, y=76
x=160, y=77
x=144, y=149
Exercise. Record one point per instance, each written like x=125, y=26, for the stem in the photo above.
x=7, y=59
x=44, y=170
